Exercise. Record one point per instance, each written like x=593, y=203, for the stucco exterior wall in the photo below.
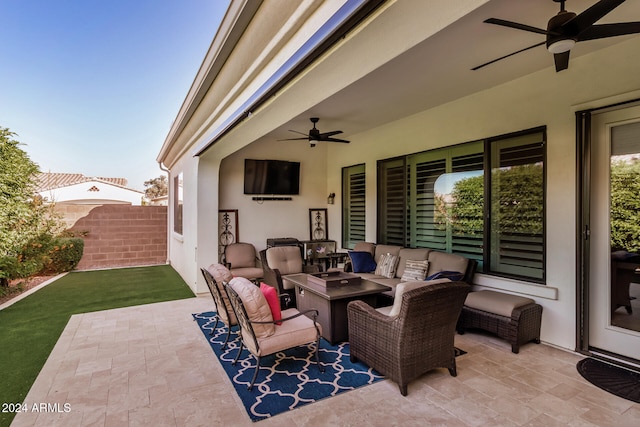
x=543, y=98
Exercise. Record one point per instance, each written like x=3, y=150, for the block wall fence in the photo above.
x=118, y=235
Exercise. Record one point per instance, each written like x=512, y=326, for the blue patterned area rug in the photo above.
x=289, y=379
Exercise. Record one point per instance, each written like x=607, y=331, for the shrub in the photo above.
x=42, y=255
x=29, y=260
x=64, y=254
x=8, y=270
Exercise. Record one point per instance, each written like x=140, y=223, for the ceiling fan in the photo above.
x=315, y=136
x=565, y=29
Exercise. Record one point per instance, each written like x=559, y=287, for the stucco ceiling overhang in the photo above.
x=432, y=72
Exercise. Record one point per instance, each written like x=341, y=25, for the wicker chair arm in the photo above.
x=380, y=332
x=364, y=316
x=518, y=312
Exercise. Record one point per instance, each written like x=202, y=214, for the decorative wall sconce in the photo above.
x=331, y=199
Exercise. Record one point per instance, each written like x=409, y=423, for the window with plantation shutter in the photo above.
x=353, y=205
x=392, y=200
x=465, y=207
x=517, y=206
x=483, y=200
x=426, y=231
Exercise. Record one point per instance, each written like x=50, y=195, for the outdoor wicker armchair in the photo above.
x=419, y=339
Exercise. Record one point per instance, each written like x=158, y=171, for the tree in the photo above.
x=156, y=187
x=625, y=205
x=467, y=209
x=518, y=208
x=23, y=216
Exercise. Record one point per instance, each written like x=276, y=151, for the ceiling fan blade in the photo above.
x=589, y=17
x=609, y=30
x=327, y=134
x=561, y=60
x=506, y=56
x=306, y=138
x=335, y=140
x=295, y=131
x=515, y=25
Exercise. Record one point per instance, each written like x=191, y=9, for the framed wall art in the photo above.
x=227, y=230
x=318, y=224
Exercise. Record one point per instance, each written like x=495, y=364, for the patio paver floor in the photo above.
x=150, y=365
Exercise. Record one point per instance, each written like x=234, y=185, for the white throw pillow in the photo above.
x=415, y=270
x=387, y=266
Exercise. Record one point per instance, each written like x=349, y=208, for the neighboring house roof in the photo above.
x=51, y=180
x=76, y=188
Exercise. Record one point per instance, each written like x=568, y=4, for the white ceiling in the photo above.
x=438, y=70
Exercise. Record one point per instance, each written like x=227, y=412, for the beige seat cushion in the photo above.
x=256, y=306
x=442, y=261
x=291, y=333
x=241, y=255
x=365, y=247
x=222, y=275
x=287, y=259
x=248, y=272
x=384, y=310
x=496, y=302
x=406, y=287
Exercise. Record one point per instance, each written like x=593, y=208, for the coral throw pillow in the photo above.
x=271, y=296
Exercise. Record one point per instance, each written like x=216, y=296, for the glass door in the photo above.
x=614, y=271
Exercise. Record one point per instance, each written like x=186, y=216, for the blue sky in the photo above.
x=92, y=86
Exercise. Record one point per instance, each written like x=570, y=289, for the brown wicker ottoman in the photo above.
x=514, y=318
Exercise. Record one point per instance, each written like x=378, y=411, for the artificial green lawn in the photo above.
x=30, y=328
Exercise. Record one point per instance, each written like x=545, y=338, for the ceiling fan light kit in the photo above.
x=561, y=46
x=565, y=29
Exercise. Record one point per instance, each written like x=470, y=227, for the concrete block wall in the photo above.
x=119, y=235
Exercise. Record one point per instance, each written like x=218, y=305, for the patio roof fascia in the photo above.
x=344, y=20
x=236, y=20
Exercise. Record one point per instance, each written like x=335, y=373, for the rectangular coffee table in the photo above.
x=331, y=303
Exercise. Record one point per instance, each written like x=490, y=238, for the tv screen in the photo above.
x=271, y=177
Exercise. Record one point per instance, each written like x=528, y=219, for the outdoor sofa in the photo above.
x=411, y=264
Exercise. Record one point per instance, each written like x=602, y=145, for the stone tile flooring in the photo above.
x=150, y=365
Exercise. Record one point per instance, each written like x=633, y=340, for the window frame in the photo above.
x=490, y=145
x=448, y=154
x=178, y=204
x=348, y=241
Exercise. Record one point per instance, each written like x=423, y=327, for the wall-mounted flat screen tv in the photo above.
x=271, y=177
